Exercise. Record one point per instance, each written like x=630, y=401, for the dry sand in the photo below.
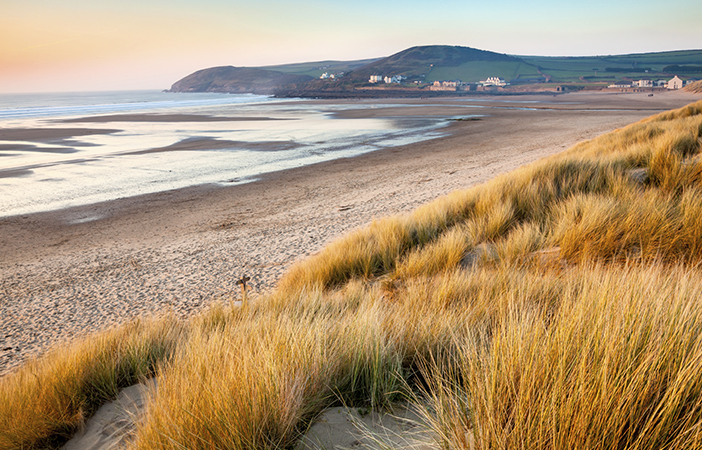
x=112, y=427
x=69, y=272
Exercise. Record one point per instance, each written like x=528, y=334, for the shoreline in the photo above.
x=69, y=272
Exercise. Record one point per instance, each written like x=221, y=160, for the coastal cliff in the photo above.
x=237, y=80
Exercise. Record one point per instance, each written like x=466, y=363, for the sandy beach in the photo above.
x=70, y=272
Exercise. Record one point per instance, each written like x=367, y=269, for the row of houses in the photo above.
x=330, y=76
x=387, y=80
x=458, y=85
x=492, y=81
x=673, y=83
x=455, y=85
x=439, y=85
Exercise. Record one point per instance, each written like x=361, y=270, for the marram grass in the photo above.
x=47, y=400
x=695, y=87
x=555, y=307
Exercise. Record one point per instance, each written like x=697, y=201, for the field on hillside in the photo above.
x=507, y=70
x=560, y=69
x=555, y=307
x=571, y=69
x=316, y=69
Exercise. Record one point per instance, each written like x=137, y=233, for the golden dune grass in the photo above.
x=617, y=365
x=695, y=87
x=555, y=307
x=47, y=400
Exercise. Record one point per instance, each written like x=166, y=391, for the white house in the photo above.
x=493, y=81
x=394, y=79
x=620, y=84
x=644, y=83
x=324, y=76
x=675, y=83
x=375, y=79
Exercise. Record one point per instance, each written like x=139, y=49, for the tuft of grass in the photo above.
x=260, y=378
x=617, y=366
x=47, y=400
x=374, y=250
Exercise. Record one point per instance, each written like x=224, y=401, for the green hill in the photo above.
x=236, y=80
x=316, y=69
x=606, y=68
x=441, y=62
x=427, y=64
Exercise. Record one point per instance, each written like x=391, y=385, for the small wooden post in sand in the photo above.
x=242, y=281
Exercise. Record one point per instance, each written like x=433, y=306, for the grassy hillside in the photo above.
x=472, y=71
x=316, y=69
x=555, y=307
x=595, y=68
x=442, y=62
x=236, y=80
x=417, y=63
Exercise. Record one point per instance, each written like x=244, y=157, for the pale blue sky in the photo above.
x=57, y=45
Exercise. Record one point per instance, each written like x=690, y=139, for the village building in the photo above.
x=394, y=79
x=329, y=76
x=620, y=85
x=453, y=85
x=494, y=81
x=675, y=83
x=644, y=83
x=386, y=79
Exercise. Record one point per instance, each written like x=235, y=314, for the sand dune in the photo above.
x=66, y=273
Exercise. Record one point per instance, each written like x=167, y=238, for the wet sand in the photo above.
x=48, y=134
x=201, y=143
x=161, y=118
x=69, y=272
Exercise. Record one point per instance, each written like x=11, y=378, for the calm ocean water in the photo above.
x=125, y=157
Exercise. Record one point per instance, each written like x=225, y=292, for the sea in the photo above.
x=69, y=149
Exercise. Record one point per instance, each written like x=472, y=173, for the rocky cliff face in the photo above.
x=239, y=80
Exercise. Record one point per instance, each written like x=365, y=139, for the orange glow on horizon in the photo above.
x=69, y=44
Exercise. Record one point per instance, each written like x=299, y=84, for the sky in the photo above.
x=90, y=45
